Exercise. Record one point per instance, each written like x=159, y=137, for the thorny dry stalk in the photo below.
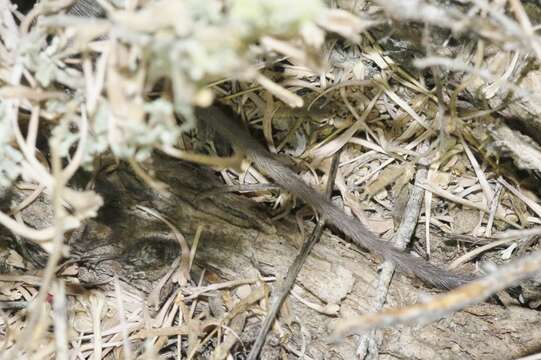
x=368, y=342
x=440, y=305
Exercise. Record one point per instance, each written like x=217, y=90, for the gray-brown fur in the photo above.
x=290, y=181
x=359, y=234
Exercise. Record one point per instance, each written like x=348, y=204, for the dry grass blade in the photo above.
x=337, y=143
x=216, y=161
x=493, y=209
x=487, y=190
x=460, y=200
x=470, y=255
x=195, y=243
x=184, y=274
x=193, y=294
x=280, y=92
x=536, y=208
x=240, y=307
